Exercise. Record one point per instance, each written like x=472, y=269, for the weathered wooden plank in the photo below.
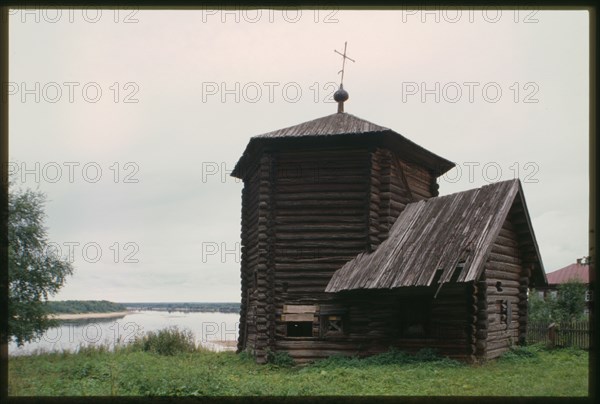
x=503, y=270
x=507, y=241
x=506, y=250
x=321, y=227
x=297, y=317
x=281, y=219
x=323, y=179
x=307, y=196
x=502, y=258
x=317, y=203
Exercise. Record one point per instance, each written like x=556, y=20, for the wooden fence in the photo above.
x=576, y=334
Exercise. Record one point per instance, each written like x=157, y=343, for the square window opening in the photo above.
x=299, y=329
x=332, y=325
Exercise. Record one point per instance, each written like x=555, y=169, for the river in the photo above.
x=215, y=331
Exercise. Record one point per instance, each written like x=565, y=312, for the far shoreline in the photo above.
x=83, y=316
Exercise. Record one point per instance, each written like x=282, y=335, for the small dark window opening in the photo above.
x=457, y=271
x=437, y=276
x=499, y=286
x=299, y=329
x=285, y=286
x=414, y=316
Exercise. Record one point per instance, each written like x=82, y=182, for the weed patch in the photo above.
x=529, y=371
x=168, y=341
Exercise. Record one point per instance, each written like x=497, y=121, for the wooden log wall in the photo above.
x=504, y=270
x=393, y=192
x=529, y=263
x=452, y=319
x=374, y=207
x=257, y=317
x=373, y=322
x=421, y=182
x=394, y=184
x=267, y=210
x=481, y=321
x=376, y=320
x=249, y=247
x=321, y=211
x=472, y=310
x=523, y=305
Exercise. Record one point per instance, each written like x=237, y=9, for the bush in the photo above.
x=92, y=349
x=392, y=357
x=523, y=352
x=246, y=357
x=168, y=341
x=397, y=357
x=427, y=355
x=282, y=359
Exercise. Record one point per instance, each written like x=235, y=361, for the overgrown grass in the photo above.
x=168, y=341
x=392, y=357
x=133, y=370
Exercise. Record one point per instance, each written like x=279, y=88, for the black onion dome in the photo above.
x=341, y=95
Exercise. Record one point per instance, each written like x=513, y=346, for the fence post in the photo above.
x=552, y=334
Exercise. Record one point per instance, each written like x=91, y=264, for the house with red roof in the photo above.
x=579, y=270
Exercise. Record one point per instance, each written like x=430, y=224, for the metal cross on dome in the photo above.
x=344, y=57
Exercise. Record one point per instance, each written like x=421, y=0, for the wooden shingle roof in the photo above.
x=438, y=234
x=342, y=128
x=334, y=124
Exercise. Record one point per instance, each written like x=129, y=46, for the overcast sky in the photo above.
x=131, y=121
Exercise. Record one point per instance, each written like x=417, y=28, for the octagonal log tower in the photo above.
x=315, y=196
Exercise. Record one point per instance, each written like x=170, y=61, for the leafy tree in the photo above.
x=540, y=309
x=33, y=272
x=570, y=301
x=567, y=306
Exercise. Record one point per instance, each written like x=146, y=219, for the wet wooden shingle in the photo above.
x=431, y=235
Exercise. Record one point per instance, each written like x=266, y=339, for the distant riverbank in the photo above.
x=83, y=316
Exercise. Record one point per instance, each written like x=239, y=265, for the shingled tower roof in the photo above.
x=329, y=130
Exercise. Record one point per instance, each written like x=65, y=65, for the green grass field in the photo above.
x=532, y=371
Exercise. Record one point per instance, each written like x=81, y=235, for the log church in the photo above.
x=348, y=249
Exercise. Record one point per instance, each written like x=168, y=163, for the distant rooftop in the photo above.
x=573, y=271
